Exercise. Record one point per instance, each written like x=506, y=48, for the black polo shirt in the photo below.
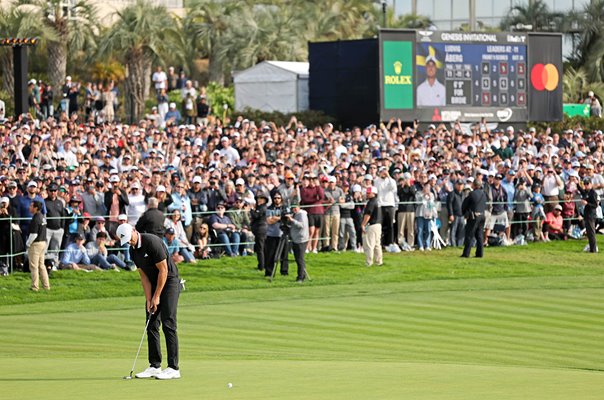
x=373, y=210
x=38, y=225
x=150, y=250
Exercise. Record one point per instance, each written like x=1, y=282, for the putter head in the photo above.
x=127, y=377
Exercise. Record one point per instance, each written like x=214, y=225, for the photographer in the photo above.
x=298, y=220
x=277, y=226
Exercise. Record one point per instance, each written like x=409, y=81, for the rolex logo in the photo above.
x=398, y=67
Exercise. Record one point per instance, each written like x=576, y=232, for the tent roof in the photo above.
x=273, y=71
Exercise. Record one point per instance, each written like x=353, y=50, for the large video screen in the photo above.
x=448, y=76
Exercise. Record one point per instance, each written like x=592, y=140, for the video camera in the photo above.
x=285, y=223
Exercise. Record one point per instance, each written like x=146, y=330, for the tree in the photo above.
x=590, y=47
x=536, y=13
x=17, y=21
x=140, y=35
x=75, y=28
x=576, y=84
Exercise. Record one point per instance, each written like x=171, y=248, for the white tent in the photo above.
x=273, y=86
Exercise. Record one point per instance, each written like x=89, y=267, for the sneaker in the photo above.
x=149, y=373
x=168, y=373
x=315, y=251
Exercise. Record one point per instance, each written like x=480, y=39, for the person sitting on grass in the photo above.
x=178, y=252
x=76, y=256
x=201, y=238
x=97, y=252
x=554, y=228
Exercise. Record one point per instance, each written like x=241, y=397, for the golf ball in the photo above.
x=229, y=385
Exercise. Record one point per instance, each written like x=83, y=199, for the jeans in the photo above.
x=347, y=228
x=299, y=250
x=424, y=234
x=457, y=231
x=54, y=237
x=186, y=254
x=105, y=262
x=230, y=242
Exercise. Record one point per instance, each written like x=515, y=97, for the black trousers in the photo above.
x=299, y=250
x=590, y=231
x=387, y=225
x=168, y=303
x=259, y=249
x=474, y=230
x=270, y=254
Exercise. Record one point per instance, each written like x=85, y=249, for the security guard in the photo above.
x=589, y=199
x=473, y=208
x=161, y=283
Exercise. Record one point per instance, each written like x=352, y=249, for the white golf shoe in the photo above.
x=168, y=373
x=149, y=373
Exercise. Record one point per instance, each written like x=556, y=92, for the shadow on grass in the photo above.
x=65, y=379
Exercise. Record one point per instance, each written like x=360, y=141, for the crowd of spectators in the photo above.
x=206, y=177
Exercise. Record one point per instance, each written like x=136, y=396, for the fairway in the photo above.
x=472, y=337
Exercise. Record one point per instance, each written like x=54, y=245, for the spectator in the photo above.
x=455, y=214
x=116, y=200
x=406, y=192
x=499, y=215
x=226, y=231
x=99, y=256
x=76, y=256
x=240, y=217
x=553, y=224
x=178, y=252
x=136, y=203
x=311, y=197
x=426, y=213
x=299, y=235
x=347, y=236
x=372, y=229
x=152, y=220
x=334, y=197
x=201, y=240
x=273, y=236
x=386, y=187
x=182, y=203
x=55, y=218
x=259, y=228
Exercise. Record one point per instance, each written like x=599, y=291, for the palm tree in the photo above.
x=75, y=28
x=209, y=22
x=17, y=21
x=576, y=84
x=590, y=47
x=536, y=13
x=138, y=38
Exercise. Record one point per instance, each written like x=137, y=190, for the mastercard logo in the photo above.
x=545, y=77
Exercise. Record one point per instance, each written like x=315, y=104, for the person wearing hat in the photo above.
x=76, y=257
x=116, y=201
x=386, y=187
x=348, y=236
x=299, y=236
x=99, y=256
x=259, y=227
x=455, y=214
x=499, y=208
x=590, y=202
x=522, y=209
x=55, y=222
x=173, y=116
x=288, y=189
x=431, y=92
x=554, y=224
x=36, y=244
x=595, y=108
x=372, y=229
x=274, y=233
x=334, y=195
x=176, y=250
x=161, y=284
x=136, y=203
x=474, y=207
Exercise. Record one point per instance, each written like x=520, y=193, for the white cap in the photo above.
x=136, y=185
x=32, y=184
x=114, y=179
x=160, y=188
x=589, y=94
x=68, y=78
x=197, y=179
x=4, y=200
x=372, y=189
x=356, y=188
x=332, y=179
x=124, y=233
x=122, y=217
x=368, y=177
x=172, y=105
x=239, y=181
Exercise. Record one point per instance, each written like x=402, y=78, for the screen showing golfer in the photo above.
x=161, y=284
x=431, y=92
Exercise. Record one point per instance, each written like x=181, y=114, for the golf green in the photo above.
x=512, y=338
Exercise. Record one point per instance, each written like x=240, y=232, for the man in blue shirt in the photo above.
x=76, y=256
x=182, y=202
x=173, y=116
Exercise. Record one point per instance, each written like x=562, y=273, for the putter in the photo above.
x=139, y=348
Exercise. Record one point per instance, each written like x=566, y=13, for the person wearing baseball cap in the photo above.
x=116, y=201
x=161, y=284
x=311, y=197
x=372, y=229
x=554, y=224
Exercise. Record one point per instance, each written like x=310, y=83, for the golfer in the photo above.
x=161, y=283
x=431, y=92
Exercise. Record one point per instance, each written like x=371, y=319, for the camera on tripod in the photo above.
x=285, y=223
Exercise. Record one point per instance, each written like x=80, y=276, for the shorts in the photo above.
x=497, y=219
x=315, y=220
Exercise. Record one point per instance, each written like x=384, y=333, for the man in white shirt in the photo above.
x=387, y=200
x=431, y=92
x=159, y=79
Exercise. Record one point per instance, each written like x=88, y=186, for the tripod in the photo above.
x=283, y=240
